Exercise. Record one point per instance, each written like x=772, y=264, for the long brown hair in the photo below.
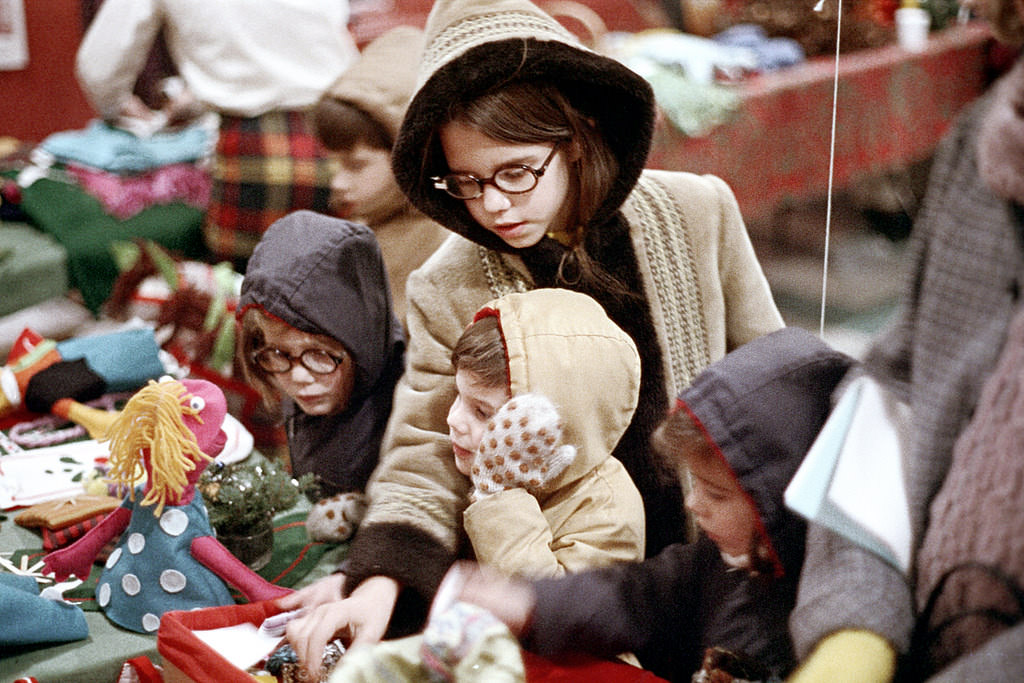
x=526, y=112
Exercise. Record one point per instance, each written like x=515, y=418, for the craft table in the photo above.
x=892, y=109
x=98, y=658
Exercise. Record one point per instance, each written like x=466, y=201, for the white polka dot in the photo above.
x=115, y=555
x=103, y=595
x=136, y=542
x=174, y=522
x=130, y=584
x=172, y=581
x=150, y=621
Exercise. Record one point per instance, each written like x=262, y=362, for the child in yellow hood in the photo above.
x=534, y=439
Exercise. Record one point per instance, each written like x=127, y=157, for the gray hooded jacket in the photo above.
x=325, y=275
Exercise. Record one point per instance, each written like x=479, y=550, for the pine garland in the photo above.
x=241, y=496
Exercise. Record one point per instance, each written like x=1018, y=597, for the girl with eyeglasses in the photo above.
x=531, y=148
x=319, y=337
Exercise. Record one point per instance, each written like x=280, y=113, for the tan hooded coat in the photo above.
x=560, y=344
x=380, y=84
x=677, y=237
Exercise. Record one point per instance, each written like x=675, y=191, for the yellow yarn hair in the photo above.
x=152, y=425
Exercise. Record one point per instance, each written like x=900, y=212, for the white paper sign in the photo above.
x=851, y=480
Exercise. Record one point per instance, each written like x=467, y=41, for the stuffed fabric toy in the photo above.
x=167, y=558
x=41, y=371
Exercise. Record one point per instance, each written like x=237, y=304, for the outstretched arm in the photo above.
x=411, y=529
x=360, y=618
x=221, y=562
x=78, y=557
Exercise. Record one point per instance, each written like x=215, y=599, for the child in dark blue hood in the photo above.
x=318, y=332
x=739, y=431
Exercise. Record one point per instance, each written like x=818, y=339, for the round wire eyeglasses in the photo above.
x=317, y=361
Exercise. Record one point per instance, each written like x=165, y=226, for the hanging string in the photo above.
x=831, y=164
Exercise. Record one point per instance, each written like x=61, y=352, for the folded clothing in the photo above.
x=105, y=147
x=123, y=196
x=78, y=221
x=30, y=618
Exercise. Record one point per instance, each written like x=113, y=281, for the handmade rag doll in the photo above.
x=167, y=558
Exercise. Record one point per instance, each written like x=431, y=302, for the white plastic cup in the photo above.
x=912, y=24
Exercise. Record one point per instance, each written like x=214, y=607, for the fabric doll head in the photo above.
x=173, y=429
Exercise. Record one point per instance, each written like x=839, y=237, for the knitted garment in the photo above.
x=978, y=517
x=963, y=285
x=672, y=266
x=521, y=447
x=1001, y=140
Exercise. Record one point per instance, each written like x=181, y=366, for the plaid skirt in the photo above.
x=264, y=167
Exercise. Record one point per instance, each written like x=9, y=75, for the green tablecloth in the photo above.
x=98, y=658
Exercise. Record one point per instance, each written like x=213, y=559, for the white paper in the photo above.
x=243, y=645
x=805, y=494
x=41, y=474
x=868, y=485
x=851, y=479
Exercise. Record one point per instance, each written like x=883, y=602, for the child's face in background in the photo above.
x=474, y=405
x=520, y=220
x=721, y=508
x=363, y=187
x=315, y=394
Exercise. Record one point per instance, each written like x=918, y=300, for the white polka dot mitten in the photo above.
x=521, y=447
x=335, y=519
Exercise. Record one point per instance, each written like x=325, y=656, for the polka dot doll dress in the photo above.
x=152, y=571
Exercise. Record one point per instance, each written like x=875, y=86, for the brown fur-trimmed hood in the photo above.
x=473, y=47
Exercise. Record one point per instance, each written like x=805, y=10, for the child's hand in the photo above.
x=521, y=447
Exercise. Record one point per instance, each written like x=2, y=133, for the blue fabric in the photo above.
x=29, y=618
x=111, y=149
x=772, y=53
x=152, y=571
x=125, y=359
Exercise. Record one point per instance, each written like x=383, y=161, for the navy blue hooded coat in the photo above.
x=761, y=407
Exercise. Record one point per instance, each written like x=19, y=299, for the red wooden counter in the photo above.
x=893, y=107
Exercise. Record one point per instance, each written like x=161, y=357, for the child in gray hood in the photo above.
x=319, y=332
